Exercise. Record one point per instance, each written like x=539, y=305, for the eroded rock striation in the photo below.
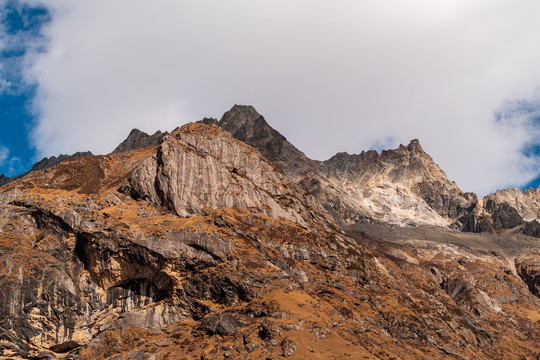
x=201, y=168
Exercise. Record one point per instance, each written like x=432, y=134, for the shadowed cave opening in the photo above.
x=147, y=283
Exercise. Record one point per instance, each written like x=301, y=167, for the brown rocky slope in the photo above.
x=199, y=248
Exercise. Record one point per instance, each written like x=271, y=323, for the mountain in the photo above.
x=210, y=243
x=136, y=139
x=402, y=186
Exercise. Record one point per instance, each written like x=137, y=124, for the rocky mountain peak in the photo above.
x=4, y=179
x=209, y=121
x=414, y=146
x=403, y=186
x=510, y=209
x=240, y=115
x=138, y=139
x=244, y=122
x=415, y=143
x=247, y=125
x=412, y=151
x=49, y=162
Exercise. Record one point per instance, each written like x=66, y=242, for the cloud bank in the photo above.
x=331, y=76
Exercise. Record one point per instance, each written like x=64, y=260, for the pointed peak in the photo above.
x=139, y=139
x=244, y=123
x=4, y=179
x=414, y=145
x=208, y=121
x=136, y=132
x=244, y=109
x=239, y=116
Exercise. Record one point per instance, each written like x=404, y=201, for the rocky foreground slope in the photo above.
x=197, y=246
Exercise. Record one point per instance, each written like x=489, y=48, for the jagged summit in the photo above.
x=208, y=121
x=138, y=139
x=4, y=179
x=403, y=186
x=413, y=146
x=48, y=162
x=247, y=125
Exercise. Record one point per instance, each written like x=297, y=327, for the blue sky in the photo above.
x=463, y=77
x=21, y=33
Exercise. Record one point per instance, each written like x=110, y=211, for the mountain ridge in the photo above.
x=320, y=177
x=370, y=193
x=430, y=200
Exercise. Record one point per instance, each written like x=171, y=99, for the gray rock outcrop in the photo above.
x=199, y=168
x=138, y=139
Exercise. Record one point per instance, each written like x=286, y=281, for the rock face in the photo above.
x=247, y=125
x=528, y=267
x=403, y=186
x=4, y=179
x=511, y=209
x=201, y=248
x=199, y=168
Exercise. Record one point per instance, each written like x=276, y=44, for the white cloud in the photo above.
x=331, y=76
x=4, y=153
x=12, y=164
